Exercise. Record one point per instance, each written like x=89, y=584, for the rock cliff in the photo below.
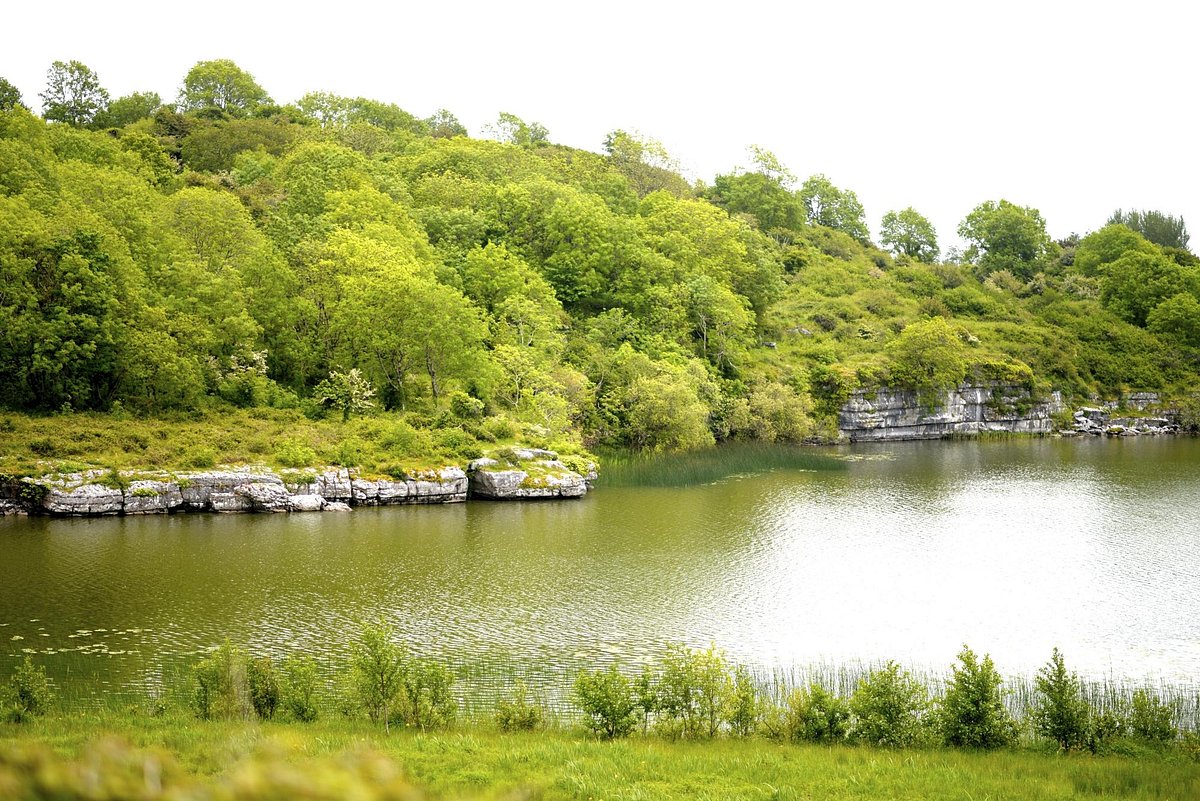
x=885, y=415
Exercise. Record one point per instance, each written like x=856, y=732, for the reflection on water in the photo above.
x=1013, y=547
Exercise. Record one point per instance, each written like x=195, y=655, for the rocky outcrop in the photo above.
x=1099, y=421
x=886, y=415
x=527, y=473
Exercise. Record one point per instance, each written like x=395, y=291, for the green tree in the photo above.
x=645, y=163
x=513, y=130
x=1162, y=229
x=1005, y=236
x=930, y=357
x=971, y=714
x=299, y=688
x=1151, y=719
x=1060, y=712
x=889, y=706
x=128, y=109
x=444, y=125
x=10, y=96
x=606, y=698
x=73, y=94
x=348, y=392
x=1177, y=319
x=839, y=209
x=377, y=670
x=224, y=85
x=222, y=685
x=816, y=715
x=1100, y=248
x=910, y=233
x=27, y=693
x=263, y=681
x=1134, y=284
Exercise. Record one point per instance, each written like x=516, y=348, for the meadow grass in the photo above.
x=479, y=761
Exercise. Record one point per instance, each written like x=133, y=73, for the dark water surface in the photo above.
x=1013, y=547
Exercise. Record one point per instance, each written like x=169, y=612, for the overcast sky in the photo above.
x=1075, y=108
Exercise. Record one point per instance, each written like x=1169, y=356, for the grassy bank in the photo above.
x=480, y=762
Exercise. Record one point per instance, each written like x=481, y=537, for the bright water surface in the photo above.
x=1013, y=547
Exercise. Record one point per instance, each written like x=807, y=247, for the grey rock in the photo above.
x=198, y=489
x=306, y=503
x=83, y=499
x=152, y=497
x=336, y=506
x=552, y=479
x=222, y=501
x=264, y=496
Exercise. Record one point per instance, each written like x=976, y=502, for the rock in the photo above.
x=152, y=497
x=891, y=415
x=336, y=506
x=335, y=485
x=264, y=496
x=83, y=499
x=306, y=503
x=544, y=478
x=11, y=507
x=529, y=454
x=198, y=489
x=222, y=501
x=447, y=485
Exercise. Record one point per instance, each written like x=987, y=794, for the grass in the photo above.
x=478, y=761
x=624, y=469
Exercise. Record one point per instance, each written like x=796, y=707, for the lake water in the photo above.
x=1013, y=547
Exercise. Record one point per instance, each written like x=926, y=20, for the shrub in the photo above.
x=693, y=689
x=294, y=453
x=888, y=707
x=815, y=715
x=464, y=407
x=518, y=712
x=299, y=687
x=426, y=694
x=222, y=686
x=972, y=713
x=201, y=457
x=606, y=697
x=1060, y=712
x=264, y=687
x=377, y=671
x=27, y=694
x=1150, y=719
x=744, y=707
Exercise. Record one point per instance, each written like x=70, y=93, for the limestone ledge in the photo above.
x=242, y=489
x=527, y=473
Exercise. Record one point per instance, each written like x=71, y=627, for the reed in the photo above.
x=627, y=469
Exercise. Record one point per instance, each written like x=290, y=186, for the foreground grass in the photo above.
x=478, y=762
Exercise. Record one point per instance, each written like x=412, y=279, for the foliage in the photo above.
x=889, y=708
x=10, y=95
x=264, y=686
x=73, y=94
x=834, y=208
x=1150, y=718
x=1060, y=713
x=972, y=714
x=606, y=698
x=223, y=85
x=298, y=688
x=348, y=392
x=519, y=711
x=27, y=694
x=1162, y=229
x=222, y=686
x=930, y=357
x=1005, y=236
x=910, y=233
x=377, y=670
x=744, y=705
x=815, y=715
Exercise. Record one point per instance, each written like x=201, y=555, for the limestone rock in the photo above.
x=538, y=478
x=152, y=497
x=83, y=499
x=306, y=503
x=337, y=506
x=264, y=496
x=198, y=489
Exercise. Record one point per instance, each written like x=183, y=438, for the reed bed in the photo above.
x=625, y=469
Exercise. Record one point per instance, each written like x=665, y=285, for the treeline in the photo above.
x=342, y=255
x=684, y=693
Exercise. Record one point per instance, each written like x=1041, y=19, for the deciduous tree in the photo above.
x=224, y=85
x=910, y=233
x=73, y=94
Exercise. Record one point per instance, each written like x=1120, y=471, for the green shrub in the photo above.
x=428, y=703
x=28, y=693
x=43, y=446
x=972, y=713
x=889, y=706
x=815, y=715
x=606, y=698
x=518, y=711
x=1060, y=712
x=299, y=688
x=693, y=690
x=294, y=453
x=1150, y=719
x=743, y=708
x=499, y=427
x=264, y=687
x=377, y=671
x=464, y=407
x=222, y=685
x=200, y=457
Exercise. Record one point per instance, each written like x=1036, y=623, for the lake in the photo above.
x=1012, y=546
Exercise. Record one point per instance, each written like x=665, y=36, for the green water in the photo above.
x=913, y=549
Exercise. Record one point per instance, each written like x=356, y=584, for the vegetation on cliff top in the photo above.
x=343, y=257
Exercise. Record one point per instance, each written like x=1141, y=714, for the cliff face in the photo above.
x=886, y=415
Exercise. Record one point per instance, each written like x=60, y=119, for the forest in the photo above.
x=342, y=257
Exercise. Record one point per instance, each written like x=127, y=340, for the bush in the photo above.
x=744, y=706
x=427, y=700
x=693, y=689
x=518, y=712
x=377, y=671
x=888, y=707
x=27, y=694
x=464, y=407
x=972, y=713
x=1060, y=712
x=294, y=453
x=300, y=688
x=606, y=697
x=1150, y=719
x=264, y=687
x=815, y=715
x=222, y=685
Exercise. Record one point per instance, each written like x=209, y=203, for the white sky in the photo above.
x=1075, y=108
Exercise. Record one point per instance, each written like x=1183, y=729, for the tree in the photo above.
x=1005, y=236
x=888, y=707
x=1060, y=712
x=909, y=233
x=1133, y=285
x=929, y=357
x=515, y=131
x=1161, y=229
x=349, y=392
x=73, y=94
x=971, y=713
x=645, y=163
x=444, y=125
x=10, y=96
x=826, y=205
x=27, y=694
x=1177, y=318
x=1151, y=719
x=606, y=697
x=128, y=109
x=224, y=85
x=816, y=715
x=377, y=668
